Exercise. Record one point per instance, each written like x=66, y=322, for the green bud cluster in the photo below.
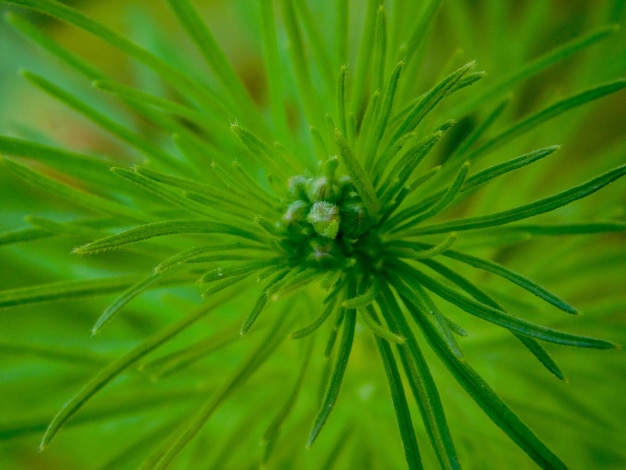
x=324, y=215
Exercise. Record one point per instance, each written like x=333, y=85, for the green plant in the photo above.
x=367, y=200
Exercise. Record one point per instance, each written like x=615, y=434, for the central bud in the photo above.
x=324, y=217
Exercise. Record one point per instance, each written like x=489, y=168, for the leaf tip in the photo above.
x=470, y=65
x=79, y=250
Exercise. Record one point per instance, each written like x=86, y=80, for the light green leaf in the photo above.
x=62, y=228
x=321, y=59
x=489, y=401
x=50, y=352
x=215, y=252
x=128, y=295
x=363, y=59
x=274, y=428
x=180, y=438
x=368, y=122
x=274, y=69
x=505, y=320
x=363, y=300
x=360, y=179
x=72, y=194
x=185, y=184
x=404, y=192
x=224, y=284
x=331, y=306
x=514, y=277
x=341, y=100
x=163, y=192
x=161, y=229
x=435, y=250
x=230, y=269
x=23, y=235
x=522, y=212
x=63, y=290
x=285, y=282
x=165, y=366
x=446, y=198
x=557, y=230
x=542, y=356
x=403, y=414
x=539, y=64
x=307, y=92
x=52, y=47
x=264, y=154
x=428, y=308
x=343, y=32
x=118, y=407
x=420, y=380
x=420, y=28
x=401, y=172
x=115, y=368
x=429, y=101
x=374, y=138
x=468, y=80
x=334, y=384
x=185, y=84
x=207, y=45
x=546, y=114
x=532, y=345
x=498, y=270
x=480, y=130
x=368, y=315
x=494, y=171
x=380, y=49
x=133, y=95
x=109, y=124
x=405, y=217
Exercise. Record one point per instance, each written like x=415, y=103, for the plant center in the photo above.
x=325, y=222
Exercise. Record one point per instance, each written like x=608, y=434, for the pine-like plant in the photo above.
x=342, y=236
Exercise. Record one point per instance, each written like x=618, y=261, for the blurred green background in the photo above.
x=582, y=420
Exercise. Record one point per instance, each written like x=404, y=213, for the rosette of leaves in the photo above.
x=357, y=226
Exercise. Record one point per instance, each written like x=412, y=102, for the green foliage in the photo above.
x=302, y=243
